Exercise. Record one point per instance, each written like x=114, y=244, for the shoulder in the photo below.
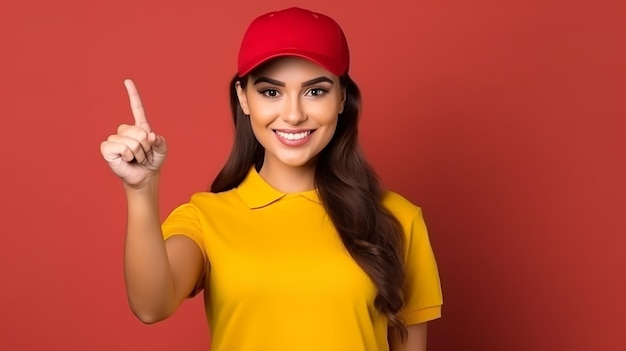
x=401, y=207
x=202, y=209
x=201, y=199
x=206, y=203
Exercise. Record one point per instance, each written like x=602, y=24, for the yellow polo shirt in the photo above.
x=279, y=277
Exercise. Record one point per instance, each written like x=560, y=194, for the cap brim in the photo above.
x=330, y=65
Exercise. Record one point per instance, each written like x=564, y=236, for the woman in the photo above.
x=296, y=246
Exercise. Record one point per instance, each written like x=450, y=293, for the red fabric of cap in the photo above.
x=294, y=32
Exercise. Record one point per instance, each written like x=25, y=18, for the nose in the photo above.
x=293, y=112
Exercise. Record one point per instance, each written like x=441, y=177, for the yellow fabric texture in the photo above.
x=279, y=277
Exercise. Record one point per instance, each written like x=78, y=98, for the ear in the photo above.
x=243, y=98
x=344, y=96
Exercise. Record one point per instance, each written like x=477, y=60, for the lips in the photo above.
x=293, y=137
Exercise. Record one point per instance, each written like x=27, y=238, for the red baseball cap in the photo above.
x=294, y=32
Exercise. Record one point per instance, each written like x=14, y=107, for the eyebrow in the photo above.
x=304, y=84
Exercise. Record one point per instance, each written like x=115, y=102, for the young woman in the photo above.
x=296, y=246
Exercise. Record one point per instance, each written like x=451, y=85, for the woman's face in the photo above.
x=293, y=105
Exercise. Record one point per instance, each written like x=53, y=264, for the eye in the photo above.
x=269, y=92
x=316, y=92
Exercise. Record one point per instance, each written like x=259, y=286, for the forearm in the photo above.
x=416, y=339
x=148, y=276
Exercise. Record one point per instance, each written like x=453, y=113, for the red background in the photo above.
x=504, y=120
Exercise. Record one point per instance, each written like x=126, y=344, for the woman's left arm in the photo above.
x=416, y=340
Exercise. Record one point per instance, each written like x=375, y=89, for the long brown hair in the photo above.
x=350, y=192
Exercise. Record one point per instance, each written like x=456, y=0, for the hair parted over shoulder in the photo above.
x=350, y=192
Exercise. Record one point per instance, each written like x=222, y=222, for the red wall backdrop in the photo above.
x=504, y=120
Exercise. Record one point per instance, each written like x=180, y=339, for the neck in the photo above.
x=289, y=179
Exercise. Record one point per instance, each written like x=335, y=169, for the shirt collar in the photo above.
x=256, y=192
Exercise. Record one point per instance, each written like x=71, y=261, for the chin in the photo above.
x=296, y=161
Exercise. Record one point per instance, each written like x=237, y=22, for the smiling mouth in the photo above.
x=294, y=136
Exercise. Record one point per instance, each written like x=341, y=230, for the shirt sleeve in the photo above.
x=422, y=291
x=185, y=220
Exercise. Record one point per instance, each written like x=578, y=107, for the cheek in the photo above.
x=328, y=123
x=325, y=114
x=259, y=127
x=332, y=129
x=261, y=114
x=260, y=118
x=330, y=102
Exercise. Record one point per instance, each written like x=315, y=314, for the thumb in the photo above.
x=158, y=144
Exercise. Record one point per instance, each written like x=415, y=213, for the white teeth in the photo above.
x=293, y=136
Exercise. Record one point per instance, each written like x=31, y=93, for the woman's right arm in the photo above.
x=159, y=274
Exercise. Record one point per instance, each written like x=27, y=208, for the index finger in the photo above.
x=135, y=105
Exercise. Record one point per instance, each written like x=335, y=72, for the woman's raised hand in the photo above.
x=135, y=153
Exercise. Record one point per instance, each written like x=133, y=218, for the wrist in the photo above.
x=147, y=187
